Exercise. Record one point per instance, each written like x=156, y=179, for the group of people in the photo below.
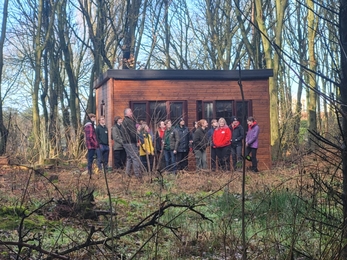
x=225, y=142
x=136, y=148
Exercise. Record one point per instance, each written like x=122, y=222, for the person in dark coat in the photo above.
x=183, y=146
x=200, y=143
x=158, y=145
x=130, y=140
x=104, y=149
x=236, y=143
x=213, y=154
x=171, y=140
x=119, y=154
x=191, y=136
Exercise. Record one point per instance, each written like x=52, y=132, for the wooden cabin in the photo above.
x=156, y=95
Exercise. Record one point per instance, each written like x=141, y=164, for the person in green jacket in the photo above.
x=171, y=141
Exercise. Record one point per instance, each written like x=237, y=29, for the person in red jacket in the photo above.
x=221, y=141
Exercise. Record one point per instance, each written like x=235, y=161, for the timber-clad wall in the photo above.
x=117, y=94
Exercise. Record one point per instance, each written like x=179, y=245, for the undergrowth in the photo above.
x=280, y=222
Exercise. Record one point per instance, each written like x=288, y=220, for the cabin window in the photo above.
x=205, y=110
x=102, y=108
x=176, y=111
x=157, y=111
x=248, y=112
x=154, y=111
x=222, y=108
x=140, y=111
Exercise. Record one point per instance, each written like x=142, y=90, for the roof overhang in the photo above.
x=183, y=75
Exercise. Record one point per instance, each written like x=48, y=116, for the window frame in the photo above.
x=167, y=107
x=234, y=102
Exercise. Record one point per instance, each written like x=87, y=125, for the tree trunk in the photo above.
x=167, y=34
x=37, y=81
x=3, y=129
x=133, y=10
x=53, y=88
x=302, y=49
x=343, y=91
x=312, y=96
x=68, y=64
x=272, y=61
x=252, y=48
x=40, y=43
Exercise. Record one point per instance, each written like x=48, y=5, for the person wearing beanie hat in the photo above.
x=183, y=146
x=236, y=143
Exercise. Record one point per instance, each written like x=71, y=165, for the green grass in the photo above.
x=274, y=221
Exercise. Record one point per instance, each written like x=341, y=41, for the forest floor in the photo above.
x=135, y=199
x=61, y=180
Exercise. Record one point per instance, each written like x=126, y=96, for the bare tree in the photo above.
x=72, y=63
x=301, y=54
x=272, y=59
x=106, y=22
x=37, y=28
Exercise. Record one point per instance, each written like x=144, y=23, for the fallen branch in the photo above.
x=150, y=220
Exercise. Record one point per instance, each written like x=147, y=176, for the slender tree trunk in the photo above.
x=68, y=64
x=343, y=91
x=251, y=47
x=167, y=35
x=43, y=98
x=53, y=88
x=312, y=96
x=3, y=129
x=37, y=81
x=302, y=56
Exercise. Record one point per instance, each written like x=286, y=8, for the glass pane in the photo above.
x=102, y=110
x=224, y=109
x=176, y=112
x=208, y=112
x=157, y=112
x=139, y=111
x=199, y=110
x=239, y=110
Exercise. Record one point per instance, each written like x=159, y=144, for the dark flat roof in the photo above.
x=183, y=75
